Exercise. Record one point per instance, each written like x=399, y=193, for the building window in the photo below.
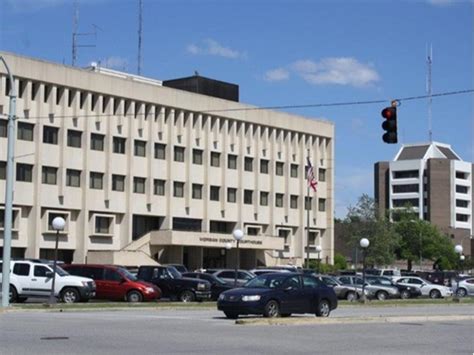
x=24, y=172
x=279, y=168
x=3, y=170
x=73, y=178
x=308, y=202
x=118, y=183
x=462, y=203
x=74, y=138
x=119, y=145
x=139, y=148
x=278, y=200
x=231, y=195
x=407, y=174
x=263, y=166
x=462, y=217
x=294, y=170
x=139, y=185
x=25, y=131
x=248, y=165
x=102, y=225
x=405, y=188
x=50, y=135
x=285, y=234
x=214, y=195
x=462, y=189
x=197, y=156
x=215, y=159
x=49, y=175
x=159, y=187
x=409, y=202
x=459, y=174
x=178, y=190
x=3, y=128
x=96, y=180
x=232, y=161
x=322, y=174
x=179, y=154
x=322, y=205
x=263, y=198
x=248, y=197
x=97, y=142
x=293, y=201
x=160, y=151
x=197, y=191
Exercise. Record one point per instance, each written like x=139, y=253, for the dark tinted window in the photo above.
x=21, y=269
x=311, y=282
x=40, y=271
x=227, y=274
x=112, y=275
x=293, y=282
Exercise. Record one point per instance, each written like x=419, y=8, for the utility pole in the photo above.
x=7, y=231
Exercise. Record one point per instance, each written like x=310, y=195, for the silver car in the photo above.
x=229, y=276
x=466, y=287
x=373, y=289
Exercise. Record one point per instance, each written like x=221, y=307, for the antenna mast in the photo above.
x=140, y=23
x=75, y=34
x=429, y=61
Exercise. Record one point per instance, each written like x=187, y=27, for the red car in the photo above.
x=115, y=283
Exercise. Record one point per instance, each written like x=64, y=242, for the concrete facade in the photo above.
x=135, y=166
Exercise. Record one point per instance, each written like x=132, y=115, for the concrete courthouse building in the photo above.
x=144, y=172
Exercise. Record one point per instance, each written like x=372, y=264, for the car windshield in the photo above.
x=175, y=274
x=267, y=281
x=128, y=274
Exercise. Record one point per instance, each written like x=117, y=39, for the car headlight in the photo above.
x=251, y=298
x=201, y=286
x=408, y=288
x=149, y=289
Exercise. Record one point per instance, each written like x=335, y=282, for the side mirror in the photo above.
x=49, y=274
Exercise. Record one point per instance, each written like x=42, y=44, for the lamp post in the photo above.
x=364, y=244
x=457, y=250
x=228, y=246
x=238, y=236
x=318, y=250
x=58, y=225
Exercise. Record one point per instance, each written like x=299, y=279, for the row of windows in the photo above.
x=74, y=139
x=405, y=188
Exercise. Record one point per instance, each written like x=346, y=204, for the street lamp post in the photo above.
x=228, y=246
x=364, y=244
x=238, y=236
x=58, y=225
x=457, y=250
x=318, y=251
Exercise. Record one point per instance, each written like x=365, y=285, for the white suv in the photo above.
x=34, y=279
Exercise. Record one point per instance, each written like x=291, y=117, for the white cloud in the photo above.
x=212, y=47
x=336, y=71
x=114, y=62
x=278, y=74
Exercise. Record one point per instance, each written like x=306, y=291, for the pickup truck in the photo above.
x=173, y=285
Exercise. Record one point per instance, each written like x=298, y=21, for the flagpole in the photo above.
x=307, y=228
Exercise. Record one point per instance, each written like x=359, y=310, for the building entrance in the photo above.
x=213, y=258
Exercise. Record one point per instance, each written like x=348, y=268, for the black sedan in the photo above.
x=279, y=294
x=217, y=285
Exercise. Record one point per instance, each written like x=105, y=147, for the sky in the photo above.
x=285, y=52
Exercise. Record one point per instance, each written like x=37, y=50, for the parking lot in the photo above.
x=193, y=330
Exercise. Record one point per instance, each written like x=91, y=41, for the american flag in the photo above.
x=310, y=176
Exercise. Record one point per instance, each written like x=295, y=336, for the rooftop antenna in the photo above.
x=75, y=34
x=429, y=62
x=140, y=23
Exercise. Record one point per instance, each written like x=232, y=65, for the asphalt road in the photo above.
x=193, y=331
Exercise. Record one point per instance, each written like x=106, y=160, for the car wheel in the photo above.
x=351, y=296
x=381, y=295
x=186, y=296
x=231, y=315
x=13, y=294
x=461, y=292
x=134, y=297
x=69, y=295
x=21, y=299
x=405, y=294
x=435, y=294
x=324, y=309
x=286, y=315
x=272, y=309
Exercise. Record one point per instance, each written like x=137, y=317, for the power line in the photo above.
x=281, y=107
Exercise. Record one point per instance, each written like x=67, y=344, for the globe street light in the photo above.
x=228, y=246
x=318, y=250
x=58, y=225
x=458, y=250
x=238, y=236
x=364, y=244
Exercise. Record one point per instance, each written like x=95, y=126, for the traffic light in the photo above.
x=390, y=125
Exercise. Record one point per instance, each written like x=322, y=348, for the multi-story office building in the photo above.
x=142, y=171
x=435, y=181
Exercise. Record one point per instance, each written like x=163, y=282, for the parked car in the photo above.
x=180, y=267
x=217, y=285
x=259, y=272
x=391, y=273
x=466, y=287
x=243, y=276
x=343, y=292
x=380, y=292
x=427, y=288
x=115, y=283
x=279, y=294
x=173, y=285
x=405, y=291
x=34, y=279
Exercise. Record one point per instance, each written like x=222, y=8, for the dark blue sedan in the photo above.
x=279, y=294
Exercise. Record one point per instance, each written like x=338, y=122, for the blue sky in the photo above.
x=284, y=52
